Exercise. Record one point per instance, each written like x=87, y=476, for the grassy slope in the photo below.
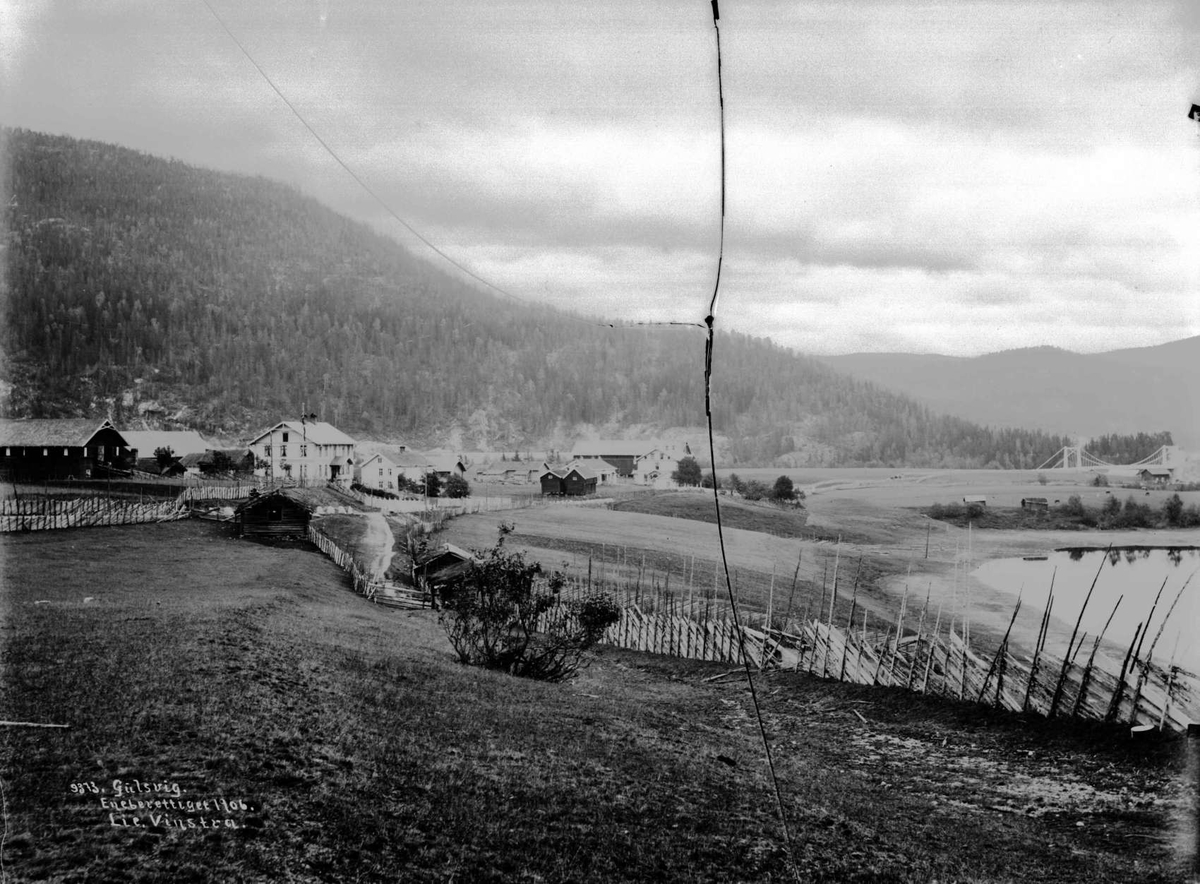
x=248, y=671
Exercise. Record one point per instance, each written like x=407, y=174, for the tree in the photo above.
x=784, y=490
x=688, y=472
x=1173, y=510
x=504, y=613
x=709, y=480
x=736, y=483
x=457, y=486
x=432, y=484
x=164, y=457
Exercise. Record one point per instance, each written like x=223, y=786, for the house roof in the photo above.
x=69, y=432
x=1157, y=471
x=383, y=459
x=180, y=442
x=317, y=432
x=562, y=472
x=444, y=462
x=312, y=499
x=613, y=448
x=596, y=464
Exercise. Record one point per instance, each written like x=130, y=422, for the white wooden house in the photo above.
x=307, y=452
x=378, y=471
x=656, y=465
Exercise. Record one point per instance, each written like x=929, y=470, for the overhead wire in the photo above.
x=710, y=322
x=395, y=215
x=708, y=325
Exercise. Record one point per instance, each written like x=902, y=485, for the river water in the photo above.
x=1133, y=575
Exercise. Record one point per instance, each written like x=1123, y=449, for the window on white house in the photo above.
x=304, y=451
x=283, y=451
x=285, y=435
x=266, y=451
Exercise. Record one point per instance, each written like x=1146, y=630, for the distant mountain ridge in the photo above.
x=1055, y=390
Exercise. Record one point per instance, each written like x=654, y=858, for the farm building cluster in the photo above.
x=311, y=452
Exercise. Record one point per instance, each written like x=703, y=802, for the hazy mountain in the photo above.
x=167, y=295
x=1122, y=391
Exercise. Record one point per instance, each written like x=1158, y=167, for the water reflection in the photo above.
x=1133, y=575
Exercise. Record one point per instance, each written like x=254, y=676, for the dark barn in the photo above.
x=573, y=482
x=276, y=514
x=286, y=512
x=42, y=450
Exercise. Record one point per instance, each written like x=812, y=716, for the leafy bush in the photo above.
x=1173, y=510
x=952, y=510
x=457, y=486
x=1042, y=478
x=504, y=613
x=1101, y=481
x=755, y=490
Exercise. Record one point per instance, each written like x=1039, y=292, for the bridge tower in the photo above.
x=1072, y=453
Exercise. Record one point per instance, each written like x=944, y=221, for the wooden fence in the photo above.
x=49, y=513
x=1138, y=690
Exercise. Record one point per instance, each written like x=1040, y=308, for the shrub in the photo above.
x=1173, y=510
x=710, y=479
x=457, y=486
x=1101, y=481
x=1042, y=478
x=755, y=490
x=504, y=613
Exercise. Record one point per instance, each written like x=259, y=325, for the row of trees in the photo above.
x=429, y=485
x=689, y=473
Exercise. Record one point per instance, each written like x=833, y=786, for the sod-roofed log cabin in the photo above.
x=41, y=450
x=287, y=512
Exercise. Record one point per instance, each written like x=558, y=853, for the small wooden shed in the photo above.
x=286, y=512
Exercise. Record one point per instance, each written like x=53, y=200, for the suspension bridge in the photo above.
x=1076, y=457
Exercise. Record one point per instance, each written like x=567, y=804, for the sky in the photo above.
x=956, y=178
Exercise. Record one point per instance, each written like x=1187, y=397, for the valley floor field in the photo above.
x=864, y=523
x=343, y=742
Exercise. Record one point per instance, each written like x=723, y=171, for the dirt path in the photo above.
x=378, y=537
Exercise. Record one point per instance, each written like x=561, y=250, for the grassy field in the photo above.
x=700, y=507
x=252, y=675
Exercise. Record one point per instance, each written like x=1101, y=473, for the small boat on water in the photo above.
x=1035, y=558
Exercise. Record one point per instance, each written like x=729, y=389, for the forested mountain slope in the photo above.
x=231, y=302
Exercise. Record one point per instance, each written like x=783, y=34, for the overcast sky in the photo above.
x=958, y=177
